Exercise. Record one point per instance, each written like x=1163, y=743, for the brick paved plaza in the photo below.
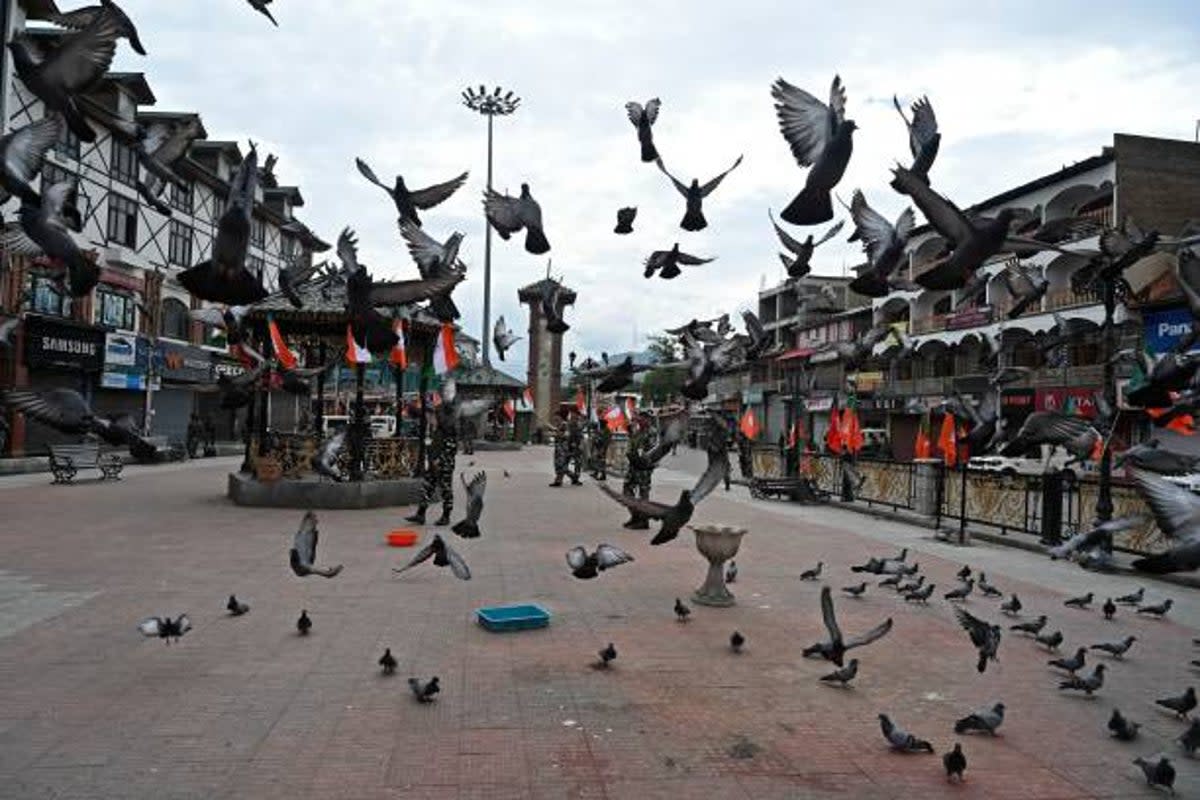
x=244, y=707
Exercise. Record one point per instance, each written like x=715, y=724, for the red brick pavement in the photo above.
x=246, y=708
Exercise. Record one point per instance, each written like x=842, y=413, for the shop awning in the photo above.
x=796, y=352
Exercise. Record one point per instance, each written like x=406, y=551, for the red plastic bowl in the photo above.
x=402, y=538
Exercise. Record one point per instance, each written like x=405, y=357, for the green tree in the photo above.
x=663, y=349
x=660, y=385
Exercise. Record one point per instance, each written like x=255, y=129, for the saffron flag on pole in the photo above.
x=287, y=359
x=399, y=354
x=852, y=435
x=445, y=356
x=749, y=424
x=923, y=449
x=527, y=399
x=614, y=418
x=355, y=352
x=833, y=436
x=946, y=442
x=630, y=408
x=510, y=409
x=580, y=402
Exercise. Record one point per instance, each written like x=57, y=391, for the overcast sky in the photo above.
x=1020, y=89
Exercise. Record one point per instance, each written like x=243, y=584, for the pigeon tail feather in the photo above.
x=206, y=281
x=810, y=207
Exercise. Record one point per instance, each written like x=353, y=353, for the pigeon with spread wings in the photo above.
x=66, y=411
x=78, y=19
x=165, y=628
x=468, y=528
x=435, y=260
x=799, y=264
x=1177, y=512
x=261, y=6
x=1074, y=434
x=508, y=215
x=820, y=137
x=693, y=218
x=503, y=337
x=44, y=230
x=585, y=565
x=883, y=242
x=443, y=556
x=21, y=155
x=836, y=646
x=985, y=636
x=408, y=201
x=303, y=554
x=923, y=136
x=643, y=118
x=667, y=263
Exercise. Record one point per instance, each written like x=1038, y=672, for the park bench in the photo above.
x=799, y=489
x=67, y=459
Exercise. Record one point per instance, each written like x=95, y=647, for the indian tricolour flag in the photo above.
x=355, y=352
x=445, y=357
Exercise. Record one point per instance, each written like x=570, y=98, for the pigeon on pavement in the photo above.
x=1080, y=602
x=955, y=763
x=1157, y=609
x=736, y=641
x=681, y=610
x=844, y=675
x=1190, y=739
x=303, y=624
x=387, y=661
x=1109, y=608
x=900, y=739
x=1116, y=649
x=607, y=656
x=424, y=690
x=853, y=591
x=984, y=720
x=165, y=628
x=585, y=565
x=962, y=592
x=1072, y=664
x=1158, y=773
x=1032, y=628
x=1050, y=640
x=1180, y=704
x=1121, y=728
x=812, y=574
x=1088, y=685
x=235, y=607
x=1011, y=606
x=1133, y=599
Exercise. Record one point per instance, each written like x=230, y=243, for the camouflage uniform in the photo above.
x=567, y=453
x=745, y=456
x=600, y=440
x=439, y=473
x=637, y=476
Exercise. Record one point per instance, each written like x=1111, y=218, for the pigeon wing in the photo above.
x=13, y=239
x=402, y=292
x=806, y=123
x=683, y=190
x=647, y=508
x=714, y=473
x=83, y=57
x=502, y=211
x=976, y=628
x=652, y=107
x=150, y=626
x=878, y=632
x=923, y=127
x=688, y=260
x=424, y=554
x=475, y=490
x=457, y=565
x=424, y=249
x=576, y=558
x=185, y=624
x=1175, y=509
x=833, y=231
x=347, y=250
x=55, y=408
x=708, y=188
x=28, y=145
x=788, y=241
x=434, y=195
x=365, y=169
x=942, y=214
x=635, y=111
x=1188, y=272
x=827, y=615
x=608, y=556
x=305, y=541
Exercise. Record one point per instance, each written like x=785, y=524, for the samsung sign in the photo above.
x=1165, y=329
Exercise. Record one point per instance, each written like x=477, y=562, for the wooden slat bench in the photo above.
x=67, y=459
x=798, y=489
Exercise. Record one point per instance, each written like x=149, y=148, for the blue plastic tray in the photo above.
x=513, y=618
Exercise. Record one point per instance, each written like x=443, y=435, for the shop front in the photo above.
x=122, y=388
x=58, y=354
x=183, y=371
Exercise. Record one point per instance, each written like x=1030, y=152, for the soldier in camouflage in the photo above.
x=600, y=439
x=439, y=474
x=568, y=451
x=638, y=471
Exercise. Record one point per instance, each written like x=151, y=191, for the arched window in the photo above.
x=175, y=322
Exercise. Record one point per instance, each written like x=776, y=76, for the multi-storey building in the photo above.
x=130, y=346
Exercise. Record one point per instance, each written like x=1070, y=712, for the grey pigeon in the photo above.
x=1133, y=599
x=1032, y=628
x=853, y=591
x=21, y=155
x=1190, y=739
x=693, y=218
x=1158, y=773
x=736, y=641
x=508, y=215
x=834, y=648
x=553, y=304
x=955, y=763
x=1109, y=608
x=158, y=150
x=261, y=6
x=1121, y=728
x=424, y=690
x=923, y=136
x=900, y=739
x=883, y=242
x=643, y=118
x=503, y=337
x=435, y=260
x=1011, y=606
x=223, y=278
x=1181, y=704
x=812, y=574
x=844, y=675
x=1082, y=601
x=892, y=581
x=1074, y=434
x=1088, y=685
x=78, y=19
x=1157, y=609
x=468, y=528
x=667, y=262
x=820, y=137
x=1099, y=535
x=387, y=661
x=443, y=556
x=607, y=656
x=921, y=595
x=165, y=628
x=985, y=587
x=44, y=230
x=67, y=412
x=1151, y=457
x=326, y=462
x=962, y=592
x=235, y=607
x=911, y=586
x=1050, y=640
x=304, y=623
x=585, y=565
x=799, y=264
x=1177, y=512
x=409, y=201
x=1026, y=287
x=71, y=69
x=1116, y=649
x=984, y=635
x=674, y=517
x=681, y=610
x=731, y=572
x=625, y=218
x=1072, y=664
x=303, y=554
x=984, y=720
x=299, y=271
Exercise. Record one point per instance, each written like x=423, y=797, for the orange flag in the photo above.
x=749, y=424
x=946, y=440
x=287, y=359
x=852, y=435
x=399, y=355
x=923, y=448
x=833, y=436
x=580, y=402
x=355, y=352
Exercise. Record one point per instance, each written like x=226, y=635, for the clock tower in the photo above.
x=545, y=353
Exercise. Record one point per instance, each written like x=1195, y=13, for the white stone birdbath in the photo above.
x=718, y=544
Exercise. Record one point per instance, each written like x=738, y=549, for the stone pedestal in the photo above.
x=718, y=544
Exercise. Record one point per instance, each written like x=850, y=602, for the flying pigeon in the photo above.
x=820, y=137
x=165, y=628
x=985, y=636
x=736, y=641
x=1158, y=773
x=44, y=230
x=1181, y=704
x=1177, y=512
x=667, y=263
x=435, y=260
x=67, y=412
x=843, y=675
x=1152, y=458
x=673, y=517
x=1011, y=606
x=21, y=155
x=407, y=201
x=424, y=690
x=261, y=7
x=834, y=648
x=78, y=19
x=1032, y=628
x=985, y=720
x=625, y=217
x=853, y=591
x=1072, y=664
x=799, y=264
x=585, y=565
x=304, y=624
x=693, y=218
x=1026, y=286
x=509, y=215
x=607, y=656
x=387, y=661
x=900, y=739
x=298, y=272
x=1116, y=649
x=553, y=304
x=443, y=556
x=326, y=462
x=1100, y=535
x=158, y=150
x=681, y=610
x=955, y=763
x=235, y=607
x=1122, y=728
x=1074, y=434
x=923, y=136
x=468, y=528
x=502, y=337
x=1082, y=601
x=303, y=554
x=812, y=574
x=643, y=118
x=223, y=278
x=883, y=243
x=1088, y=685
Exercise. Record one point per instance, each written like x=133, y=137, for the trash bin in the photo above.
x=927, y=475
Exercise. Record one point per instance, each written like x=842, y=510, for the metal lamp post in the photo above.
x=490, y=105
